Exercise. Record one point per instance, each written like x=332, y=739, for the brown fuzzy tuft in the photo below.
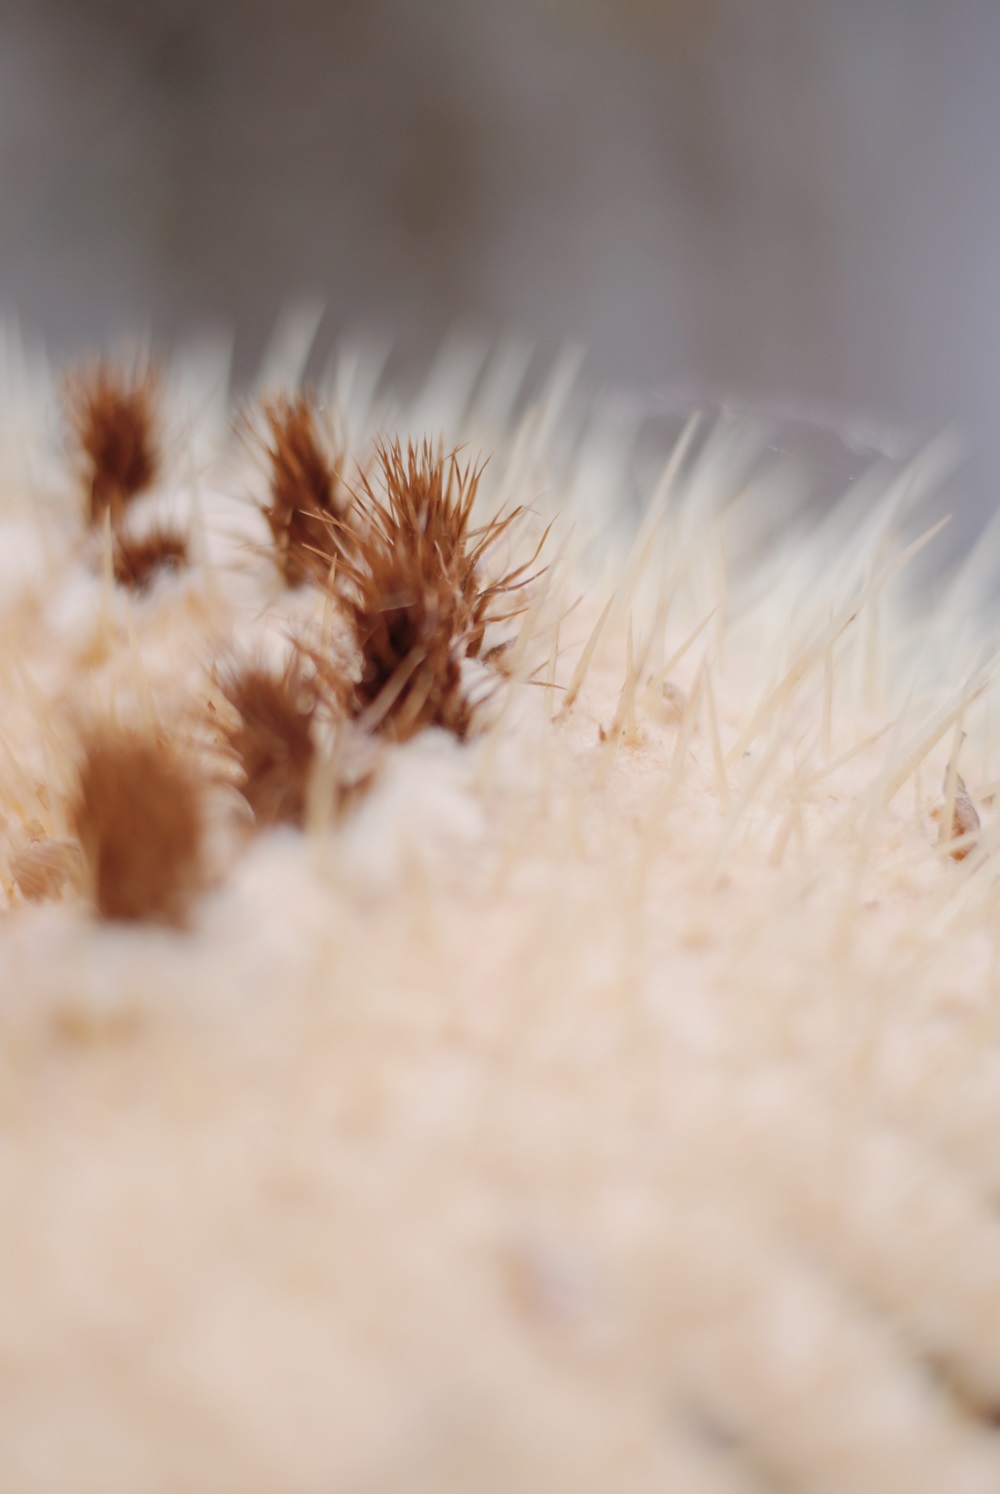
x=113, y=417
x=139, y=818
x=416, y=599
x=272, y=739
x=275, y=738
x=307, y=501
x=137, y=561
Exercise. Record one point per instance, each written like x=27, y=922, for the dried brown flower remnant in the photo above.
x=272, y=739
x=138, y=560
x=113, y=417
x=964, y=819
x=416, y=598
x=139, y=818
x=306, y=501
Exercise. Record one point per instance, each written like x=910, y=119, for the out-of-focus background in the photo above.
x=779, y=201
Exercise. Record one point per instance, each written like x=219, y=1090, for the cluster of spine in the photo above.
x=414, y=591
x=307, y=497
x=113, y=415
x=400, y=564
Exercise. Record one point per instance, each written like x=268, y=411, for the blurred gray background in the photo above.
x=790, y=201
